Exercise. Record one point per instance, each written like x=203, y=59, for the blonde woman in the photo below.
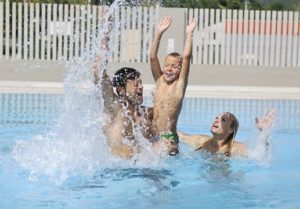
x=224, y=129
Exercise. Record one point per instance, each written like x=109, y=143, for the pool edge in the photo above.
x=239, y=92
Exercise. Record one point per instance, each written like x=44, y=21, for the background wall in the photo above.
x=52, y=71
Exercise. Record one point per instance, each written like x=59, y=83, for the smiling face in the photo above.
x=134, y=91
x=128, y=85
x=224, y=125
x=172, y=67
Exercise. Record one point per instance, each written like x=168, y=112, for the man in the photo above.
x=171, y=82
x=124, y=116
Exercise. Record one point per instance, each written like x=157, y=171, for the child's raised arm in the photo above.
x=154, y=61
x=187, y=52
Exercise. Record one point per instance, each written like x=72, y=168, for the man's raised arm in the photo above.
x=101, y=63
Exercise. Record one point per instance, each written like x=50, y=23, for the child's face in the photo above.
x=171, y=69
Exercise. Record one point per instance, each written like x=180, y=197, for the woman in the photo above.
x=224, y=129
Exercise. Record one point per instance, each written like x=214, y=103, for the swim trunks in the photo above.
x=170, y=136
x=174, y=139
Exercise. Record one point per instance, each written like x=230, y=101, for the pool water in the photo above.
x=52, y=155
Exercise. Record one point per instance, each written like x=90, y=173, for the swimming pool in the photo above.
x=52, y=156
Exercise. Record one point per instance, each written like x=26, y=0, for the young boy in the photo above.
x=171, y=82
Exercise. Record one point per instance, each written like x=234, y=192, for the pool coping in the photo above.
x=249, y=92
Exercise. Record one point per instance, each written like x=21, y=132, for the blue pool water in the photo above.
x=52, y=155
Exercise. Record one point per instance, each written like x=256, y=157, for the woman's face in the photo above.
x=222, y=125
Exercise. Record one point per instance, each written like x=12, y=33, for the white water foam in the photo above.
x=262, y=152
x=76, y=144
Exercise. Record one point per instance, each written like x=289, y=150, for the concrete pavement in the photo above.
x=204, y=80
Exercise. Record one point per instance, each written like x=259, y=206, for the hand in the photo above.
x=164, y=24
x=107, y=25
x=267, y=120
x=191, y=26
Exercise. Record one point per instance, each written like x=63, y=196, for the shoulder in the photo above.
x=160, y=79
x=238, y=148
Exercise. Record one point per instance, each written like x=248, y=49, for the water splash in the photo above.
x=262, y=152
x=76, y=144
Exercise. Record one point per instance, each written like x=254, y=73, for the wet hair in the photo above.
x=235, y=126
x=123, y=74
x=228, y=141
x=176, y=55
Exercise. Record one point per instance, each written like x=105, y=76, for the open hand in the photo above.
x=191, y=26
x=164, y=24
x=266, y=121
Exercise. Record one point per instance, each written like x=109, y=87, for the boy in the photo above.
x=171, y=82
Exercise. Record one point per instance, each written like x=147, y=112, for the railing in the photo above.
x=224, y=37
x=242, y=37
x=61, y=32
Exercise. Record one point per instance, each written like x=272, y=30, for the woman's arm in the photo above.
x=195, y=140
x=263, y=147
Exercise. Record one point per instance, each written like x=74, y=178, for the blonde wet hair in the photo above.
x=176, y=55
x=235, y=126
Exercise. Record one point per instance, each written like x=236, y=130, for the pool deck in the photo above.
x=253, y=92
x=204, y=81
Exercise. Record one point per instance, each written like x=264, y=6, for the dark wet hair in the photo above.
x=120, y=77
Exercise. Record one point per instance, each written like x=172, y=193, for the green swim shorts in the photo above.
x=170, y=136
